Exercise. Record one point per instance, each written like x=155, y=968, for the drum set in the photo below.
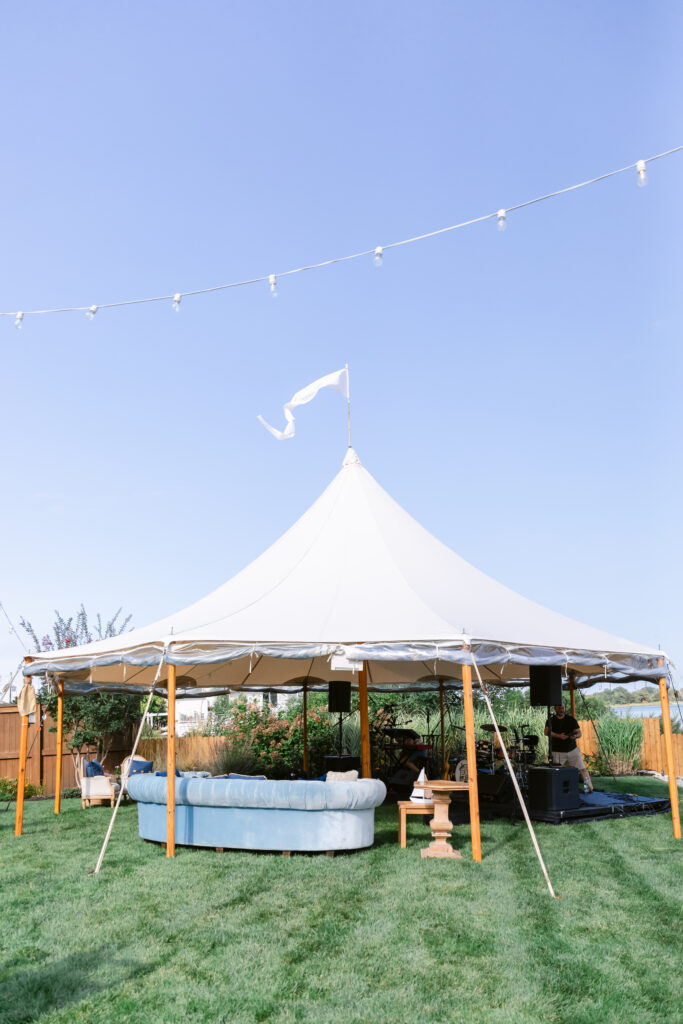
x=521, y=751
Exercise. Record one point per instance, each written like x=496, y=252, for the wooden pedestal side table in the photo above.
x=441, y=825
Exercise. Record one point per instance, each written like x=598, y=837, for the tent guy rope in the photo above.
x=377, y=252
x=513, y=777
x=126, y=774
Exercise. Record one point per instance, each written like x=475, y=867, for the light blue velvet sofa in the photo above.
x=247, y=814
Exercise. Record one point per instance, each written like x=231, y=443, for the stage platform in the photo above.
x=597, y=806
x=601, y=804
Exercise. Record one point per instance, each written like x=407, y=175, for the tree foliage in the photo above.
x=90, y=720
x=76, y=630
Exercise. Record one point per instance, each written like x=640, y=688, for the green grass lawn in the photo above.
x=378, y=936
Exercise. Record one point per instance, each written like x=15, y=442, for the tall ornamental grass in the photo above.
x=620, y=742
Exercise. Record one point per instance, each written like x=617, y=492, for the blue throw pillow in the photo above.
x=93, y=768
x=234, y=775
x=164, y=775
x=137, y=767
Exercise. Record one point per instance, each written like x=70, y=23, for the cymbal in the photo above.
x=491, y=728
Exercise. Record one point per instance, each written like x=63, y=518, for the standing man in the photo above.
x=565, y=731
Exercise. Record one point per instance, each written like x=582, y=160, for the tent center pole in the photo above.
x=366, y=766
x=444, y=753
x=572, y=695
x=170, y=765
x=304, y=729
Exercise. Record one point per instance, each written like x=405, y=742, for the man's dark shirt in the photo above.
x=567, y=725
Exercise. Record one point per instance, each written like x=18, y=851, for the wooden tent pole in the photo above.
x=21, y=781
x=366, y=766
x=572, y=695
x=305, y=730
x=444, y=758
x=669, y=750
x=471, y=761
x=170, y=765
x=60, y=740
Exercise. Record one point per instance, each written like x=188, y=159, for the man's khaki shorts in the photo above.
x=572, y=757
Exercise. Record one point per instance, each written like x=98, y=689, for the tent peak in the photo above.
x=351, y=459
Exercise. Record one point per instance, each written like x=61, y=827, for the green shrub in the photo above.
x=8, y=789
x=274, y=737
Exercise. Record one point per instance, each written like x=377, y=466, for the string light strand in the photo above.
x=376, y=251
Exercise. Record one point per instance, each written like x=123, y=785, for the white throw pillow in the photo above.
x=351, y=776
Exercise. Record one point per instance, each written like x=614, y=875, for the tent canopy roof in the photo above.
x=355, y=575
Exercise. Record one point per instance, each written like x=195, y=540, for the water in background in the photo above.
x=648, y=711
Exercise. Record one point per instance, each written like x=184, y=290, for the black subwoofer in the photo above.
x=553, y=788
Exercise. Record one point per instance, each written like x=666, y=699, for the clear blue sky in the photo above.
x=518, y=393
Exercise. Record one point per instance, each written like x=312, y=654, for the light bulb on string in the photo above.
x=19, y=321
x=642, y=174
x=272, y=284
x=502, y=219
x=377, y=258
x=91, y=312
x=176, y=302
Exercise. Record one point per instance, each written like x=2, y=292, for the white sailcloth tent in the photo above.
x=358, y=585
x=356, y=576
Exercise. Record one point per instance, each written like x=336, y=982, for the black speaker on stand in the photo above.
x=339, y=702
x=545, y=689
x=545, y=685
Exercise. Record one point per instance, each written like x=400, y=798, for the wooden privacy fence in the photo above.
x=191, y=752
x=42, y=748
x=652, y=752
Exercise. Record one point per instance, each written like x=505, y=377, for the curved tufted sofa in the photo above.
x=246, y=814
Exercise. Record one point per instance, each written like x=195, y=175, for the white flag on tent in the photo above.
x=338, y=380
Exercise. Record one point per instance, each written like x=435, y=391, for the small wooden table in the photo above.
x=406, y=807
x=441, y=825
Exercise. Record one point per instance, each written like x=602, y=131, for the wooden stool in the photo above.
x=406, y=807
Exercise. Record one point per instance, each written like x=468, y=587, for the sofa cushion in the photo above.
x=93, y=768
x=138, y=765
x=235, y=775
x=285, y=794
